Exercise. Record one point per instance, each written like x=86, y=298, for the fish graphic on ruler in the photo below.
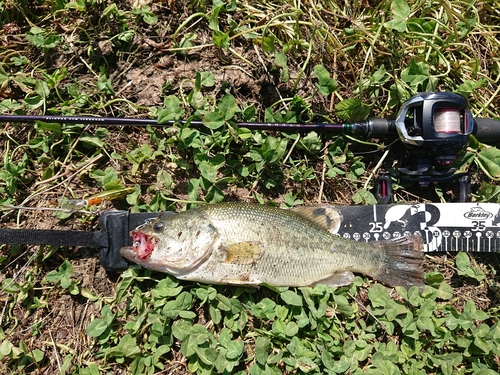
x=426, y=215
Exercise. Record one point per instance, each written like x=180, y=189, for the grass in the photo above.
x=223, y=62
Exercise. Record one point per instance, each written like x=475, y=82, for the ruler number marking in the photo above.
x=478, y=226
x=376, y=226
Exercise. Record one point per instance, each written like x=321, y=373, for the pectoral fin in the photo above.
x=338, y=279
x=323, y=215
x=243, y=252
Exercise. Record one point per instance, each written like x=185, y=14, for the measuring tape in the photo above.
x=473, y=227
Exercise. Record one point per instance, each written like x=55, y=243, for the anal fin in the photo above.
x=339, y=278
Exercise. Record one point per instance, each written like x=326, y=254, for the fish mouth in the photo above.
x=143, y=244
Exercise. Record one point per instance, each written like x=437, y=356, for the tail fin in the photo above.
x=403, y=262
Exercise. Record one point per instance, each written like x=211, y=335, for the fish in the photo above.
x=236, y=243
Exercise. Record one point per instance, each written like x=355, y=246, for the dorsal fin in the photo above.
x=323, y=215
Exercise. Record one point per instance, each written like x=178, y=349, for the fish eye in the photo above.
x=158, y=227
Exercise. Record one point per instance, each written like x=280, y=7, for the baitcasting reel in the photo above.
x=434, y=128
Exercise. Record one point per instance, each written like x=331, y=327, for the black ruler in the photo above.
x=473, y=227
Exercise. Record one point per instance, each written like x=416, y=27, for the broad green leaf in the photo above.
x=187, y=314
x=264, y=309
x=352, y=109
x=110, y=10
x=462, y=260
x=214, y=16
x=326, y=84
x=488, y=193
x=64, y=271
x=434, y=278
x=322, y=74
x=380, y=76
x=207, y=79
x=206, y=355
x=209, y=167
x=223, y=302
x=150, y=18
x=182, y=302
x=400, y=12
x=291, y=298
x=234, y=349
x=398, y=24
x=171, y=111
x=42, y=89
x=181, y=329
x=208, y=171
x=268, y=43
x=193, y=186
x=482, y=345
x=8, y=105
x=186, y=41
x=262, y=348
x=342, y=364
x=471, y=312
x=291, y=329
x=36, y=355
x=33, y=102
x=343, y=305
x=470, y=86
x=379, y=296
x=228, y=107
x=213, y=120
x=281, y=61
x=221, y=39
x=96, y=327
x=199, y=334
x=127, y=347
x=6, y=347
x=416, y=73
x=37, y=40
x=489, y=161
x=279, y=328
x=444, y=291
x=91, y=140
x=215, y=314
x=50, y=126
x=364, y=196
x=164, y=179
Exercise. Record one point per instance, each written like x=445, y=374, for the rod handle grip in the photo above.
x=487, y=130
x=381, y=128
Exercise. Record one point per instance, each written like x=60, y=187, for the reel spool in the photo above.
x=447, y=120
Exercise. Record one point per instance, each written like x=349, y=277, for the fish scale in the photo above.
x=302, y=253
x=251, y=244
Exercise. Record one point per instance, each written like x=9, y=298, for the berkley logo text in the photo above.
x=477, y=213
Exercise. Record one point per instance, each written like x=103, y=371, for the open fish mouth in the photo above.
x=143, y=244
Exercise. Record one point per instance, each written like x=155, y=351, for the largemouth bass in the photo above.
x=252, y=244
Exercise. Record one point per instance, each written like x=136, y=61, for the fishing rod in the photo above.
x=434, y=127
x=435, y=116
x=372, y=127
